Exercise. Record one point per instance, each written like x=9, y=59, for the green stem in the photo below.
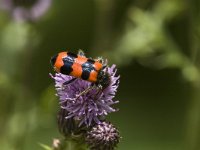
x=72, y=144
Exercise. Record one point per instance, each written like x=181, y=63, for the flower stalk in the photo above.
x=68, y=144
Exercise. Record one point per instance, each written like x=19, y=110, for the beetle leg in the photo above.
x=100, y=59
x=104, y=62
x=81, y=53
x=86, y=91
x=69, y=81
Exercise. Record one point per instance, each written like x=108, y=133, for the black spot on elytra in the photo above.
x=53, y=59
x=68, y=62
x=87, y=67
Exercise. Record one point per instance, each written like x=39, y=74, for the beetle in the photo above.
x=79, y=66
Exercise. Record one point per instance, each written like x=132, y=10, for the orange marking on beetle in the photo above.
x=77, y=70
x=80, y=60
x=93, y=76
x=98, y=65
x=59, y=62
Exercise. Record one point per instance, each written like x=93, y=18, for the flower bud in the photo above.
x=103, y=136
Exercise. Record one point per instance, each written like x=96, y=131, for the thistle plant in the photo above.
x=82, y=120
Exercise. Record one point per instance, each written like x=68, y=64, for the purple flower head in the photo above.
x=103, y=136
x=22, y=10
x=89, y=107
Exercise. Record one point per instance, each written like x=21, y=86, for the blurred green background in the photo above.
x=155, y=44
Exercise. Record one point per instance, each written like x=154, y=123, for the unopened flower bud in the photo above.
x=103, y=136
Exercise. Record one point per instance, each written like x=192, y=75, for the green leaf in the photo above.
x=46, y=147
